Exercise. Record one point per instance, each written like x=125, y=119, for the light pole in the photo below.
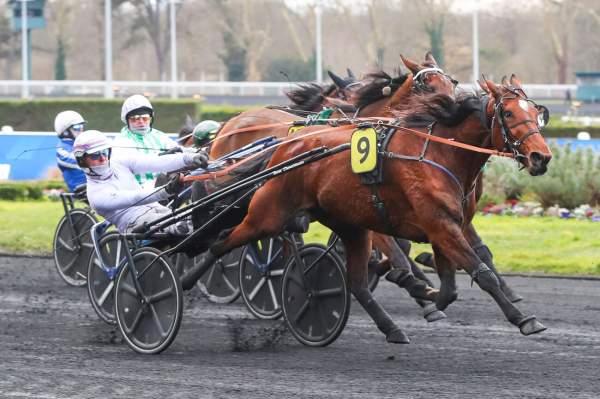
x=318, y=45
x=24, y=50
x=174, y=93
x=108, y=92
x=475, y=42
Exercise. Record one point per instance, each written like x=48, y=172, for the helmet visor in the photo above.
x=95, y=156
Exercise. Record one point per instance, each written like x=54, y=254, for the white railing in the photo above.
x=122, y=88
x=95, y=88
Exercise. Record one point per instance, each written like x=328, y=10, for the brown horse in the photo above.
x=372, y=97
x=425, y=201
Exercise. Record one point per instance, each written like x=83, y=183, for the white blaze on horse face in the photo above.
x=524, y=105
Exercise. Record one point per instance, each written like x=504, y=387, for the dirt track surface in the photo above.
x=54, y=346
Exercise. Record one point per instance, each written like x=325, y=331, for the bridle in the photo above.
x=419, y=77
x=511, y=143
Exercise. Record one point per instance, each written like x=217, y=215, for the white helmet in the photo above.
x=135, y=102
x=64, y=120
x=89, y=142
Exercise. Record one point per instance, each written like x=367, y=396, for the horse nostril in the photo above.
x=538, y=158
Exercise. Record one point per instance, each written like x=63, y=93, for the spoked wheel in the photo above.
x=261, y=268
x=72, y=247
x=220, y=284
x=341, y=252
x=315, y=296
x=99, y=283
x=148, y=319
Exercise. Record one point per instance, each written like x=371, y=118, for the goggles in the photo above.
x=78, y=127
x=138, y=118
x=95, y=156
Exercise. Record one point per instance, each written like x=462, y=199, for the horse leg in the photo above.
x=401, y=273
x=358, y=249
x=486, y=256
x=452, y=248
x=407, y=275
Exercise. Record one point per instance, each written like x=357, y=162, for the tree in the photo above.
x=559, y=18
x=435, y=16
x=60, y=71
x=245, y=37
x=150, y=17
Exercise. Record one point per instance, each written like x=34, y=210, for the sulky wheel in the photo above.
x=72, y=246
x=220, y=283
x=341, y=252
x=261, y=268
x=315, y=296
x=148, y=319
x=99, y=282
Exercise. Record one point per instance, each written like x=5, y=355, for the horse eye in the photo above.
x=507, y=114
x=454, y=82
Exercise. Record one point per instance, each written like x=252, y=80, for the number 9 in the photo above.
x=363, y=147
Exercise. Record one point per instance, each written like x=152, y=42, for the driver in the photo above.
x=138, y=135
x=114, y=192
x=68, y=125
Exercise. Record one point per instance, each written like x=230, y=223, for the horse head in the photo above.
x=344, y=88
x=428, y=76
x=516, y=122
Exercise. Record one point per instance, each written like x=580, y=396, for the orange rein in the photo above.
x=225, y=171
x=453, y=143
x=228, y=169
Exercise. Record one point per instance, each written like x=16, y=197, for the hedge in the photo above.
x=104, y=114
x=28, y=190
x=221, y=113
x=101, y=114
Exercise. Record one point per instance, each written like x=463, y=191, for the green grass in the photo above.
x=528, y=245
x=28, y=227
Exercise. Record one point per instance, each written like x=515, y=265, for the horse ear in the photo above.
x=514, y=81
x=483, y=86
x=504, y=81
x=402, y=91
x=339, y=82
x=350, y=74
x=412, y=66
x=429, y=58
x=493, y=89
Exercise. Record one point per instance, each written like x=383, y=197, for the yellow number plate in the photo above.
x=294, y=129
x=363, y=150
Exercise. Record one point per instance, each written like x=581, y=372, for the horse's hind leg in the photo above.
x=401, y=273
x=485, y=255
x=358, y=249
x=404, y=274
x=451, y=248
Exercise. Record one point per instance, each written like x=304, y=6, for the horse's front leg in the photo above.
x=452, y=250
x=485, y=255
x=358, y=250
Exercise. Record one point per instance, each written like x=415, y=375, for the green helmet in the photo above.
x=205, y=131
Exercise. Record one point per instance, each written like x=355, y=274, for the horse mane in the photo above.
x=423, y=109
x=309, y=96
x=376, y=81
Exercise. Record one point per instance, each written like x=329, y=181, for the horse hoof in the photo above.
x=431, y=313
x=444, y=300
x=397, y=337
x=511, y=295
x=530, y=325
